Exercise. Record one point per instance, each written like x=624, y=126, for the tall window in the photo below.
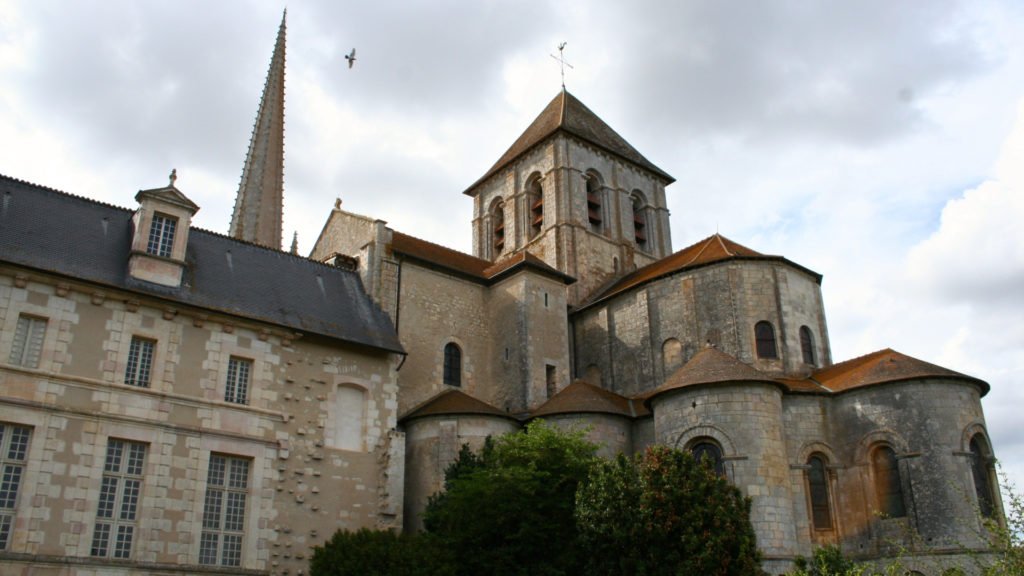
x=498, y=223
x=817, y=485
x=28, y=341
x=237, y=387
x=639, y=221
x=227, y=485
x=13, y=454
x=161, y=235
x=140, y=362
x=535, y=196
x=807, y=345
x=706, y=451
x=980, y=470
x=350, y=410
x=888, y=487
x=452, y=365
x=594, y=207
x=118, y=506
x=764, y=334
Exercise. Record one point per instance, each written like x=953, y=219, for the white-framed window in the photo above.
x=227, y=487
x=120, y=492
x=28, y=341
x=140, y=362
x=236, y=389
x=161, y=235
x=13, y=455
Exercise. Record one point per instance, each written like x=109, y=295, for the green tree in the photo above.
x=380, y=553
x=663, y=513
x=509, y=509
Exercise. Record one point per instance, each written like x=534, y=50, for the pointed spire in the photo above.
x=295, y=242
x=257, y=214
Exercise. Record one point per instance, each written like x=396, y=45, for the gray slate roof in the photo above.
x=78, y=238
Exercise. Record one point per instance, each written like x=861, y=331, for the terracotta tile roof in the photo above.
x=581, y=397
x=802, y=385
x=882, y=367
x=470, y=266
x=566, y=113
x=714, y=248
x=709, y=366
x=453, y=402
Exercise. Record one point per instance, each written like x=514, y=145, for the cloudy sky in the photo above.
x=879, y=143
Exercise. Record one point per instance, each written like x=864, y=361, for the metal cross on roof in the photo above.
x=561, y=61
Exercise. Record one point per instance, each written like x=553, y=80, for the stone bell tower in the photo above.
x=573, y=192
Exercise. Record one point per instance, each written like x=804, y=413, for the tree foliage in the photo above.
x=509, y=509
x=664, y=513
x=380, y=553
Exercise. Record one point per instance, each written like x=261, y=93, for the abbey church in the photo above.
x=175, y=400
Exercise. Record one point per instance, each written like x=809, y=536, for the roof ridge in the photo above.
x=721, y=243
x=63, y=193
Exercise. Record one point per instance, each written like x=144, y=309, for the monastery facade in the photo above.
x=177, y=401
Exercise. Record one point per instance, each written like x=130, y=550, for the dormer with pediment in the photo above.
x=160, y=235
x=576, y=194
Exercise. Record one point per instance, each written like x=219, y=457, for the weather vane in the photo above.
x=561, y=61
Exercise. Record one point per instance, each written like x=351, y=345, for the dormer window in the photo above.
x=161, y=235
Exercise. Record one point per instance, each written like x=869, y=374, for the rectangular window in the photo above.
x=13, y=454
x=227, y=485
x=161, y=235
x=140, y=362
x=237, y=388
x=28, y=341
x=118, y=505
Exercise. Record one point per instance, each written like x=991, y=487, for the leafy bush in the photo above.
x=664, y=513
x=380, y=553
x=509, y=509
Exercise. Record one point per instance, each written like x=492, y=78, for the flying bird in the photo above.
x=351, y=57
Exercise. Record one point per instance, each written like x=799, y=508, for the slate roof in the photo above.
x=565, y=113
x=469, y=266
x=882, y=367
x=713, y=249
x=55, y=232
x=453, y=402
x=581, y=397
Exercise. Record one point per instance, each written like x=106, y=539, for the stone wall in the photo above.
x=302, y=484
x=625, y=337
x=432, y=444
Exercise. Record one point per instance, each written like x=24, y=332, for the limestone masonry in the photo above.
x=176, y=401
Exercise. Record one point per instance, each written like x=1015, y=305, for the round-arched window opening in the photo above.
x=708, y=453
x=452, y=364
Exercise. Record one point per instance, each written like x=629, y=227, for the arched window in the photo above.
x=807, y=345
x=764, y=335
x=706, y=450
x=594, y=205
x=888, y=488
x=639, y=220
x=498, y=227
x=452, y=365
x=535, y=197
x=817, y=486
x=980, y=470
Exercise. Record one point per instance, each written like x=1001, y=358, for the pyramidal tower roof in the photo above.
x=258, y=205
x=565, y=113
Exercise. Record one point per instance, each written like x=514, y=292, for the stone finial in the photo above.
x=295, y=242
x=337, y=203
x=173, y=177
